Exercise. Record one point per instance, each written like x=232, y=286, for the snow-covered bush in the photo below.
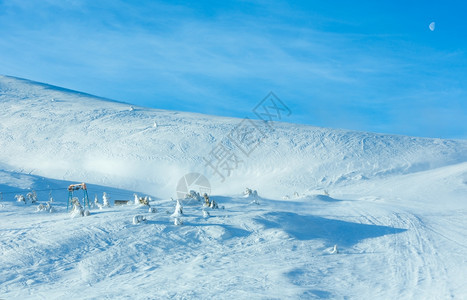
x=40, y=207
x=193, y=195
x=46, y=207
x=20, y=198
x=206, y=214
x=152, y=210
x=142, y=200
x=145, y=200
x=32, y=196
x=96, y=203
x=138, y=219
x=178, y=221
x=250, y=193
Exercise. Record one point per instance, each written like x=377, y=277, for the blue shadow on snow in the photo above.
x=308, y=227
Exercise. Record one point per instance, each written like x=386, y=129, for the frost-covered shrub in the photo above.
x=32, y=196
x=46, y=207
x=40, y=207
x=250, y=193
x=138, y=219
x=142, y=200
x=193, y=195
x=20, y=198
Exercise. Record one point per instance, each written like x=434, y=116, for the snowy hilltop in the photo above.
x=191, y=206
x=53, y=132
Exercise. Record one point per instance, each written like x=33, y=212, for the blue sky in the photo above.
x=363, y=65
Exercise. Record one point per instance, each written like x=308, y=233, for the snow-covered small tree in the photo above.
x=96, y=202
x=178, y=209
x=136, y=199
x=49, y=206
x=77, y=210
x=207, y=201
x=105, y=200
x=334, y=250
x=213, y=204
x=206, y=214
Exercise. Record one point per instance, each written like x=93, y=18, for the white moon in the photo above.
x=432, y=26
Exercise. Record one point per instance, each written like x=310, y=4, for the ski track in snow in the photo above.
x=397, y=208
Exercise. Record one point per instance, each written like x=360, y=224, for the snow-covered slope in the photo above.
x=394, y=206
x=58, y=133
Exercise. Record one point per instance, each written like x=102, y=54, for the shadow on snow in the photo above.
x=307, y=227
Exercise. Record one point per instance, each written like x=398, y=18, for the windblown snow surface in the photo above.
x=394, y=206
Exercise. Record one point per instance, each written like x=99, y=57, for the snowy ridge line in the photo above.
x=7, y=78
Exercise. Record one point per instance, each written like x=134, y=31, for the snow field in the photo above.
x=394, y=207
